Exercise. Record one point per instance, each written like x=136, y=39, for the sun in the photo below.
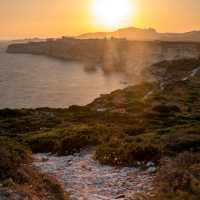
x=112, y=13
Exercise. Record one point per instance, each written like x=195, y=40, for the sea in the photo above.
x=33, y=81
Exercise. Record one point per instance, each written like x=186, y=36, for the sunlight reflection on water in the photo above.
x=39, y=81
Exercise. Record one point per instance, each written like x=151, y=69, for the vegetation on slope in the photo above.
x=140, y=123
x=19, y=180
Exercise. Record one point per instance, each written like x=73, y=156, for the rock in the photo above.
x=69, y=158
x=84, y=178
x=45, y=159
x=101, y=197
x=138, y=163
x=152, y=169
x=131, y=174
x=69, y=162
x=76, y=154
x=73, y=198
x=150, y=164
x=120, y=196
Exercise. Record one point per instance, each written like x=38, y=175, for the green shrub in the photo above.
x=12, y=157
x=180, y=142
x=179, y=178
x=74, y=143
x=54, y=187
x=125, y=152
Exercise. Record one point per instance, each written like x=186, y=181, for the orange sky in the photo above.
x=43, y=18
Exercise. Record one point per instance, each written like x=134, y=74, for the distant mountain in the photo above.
x=192, y=36
x=132, y=33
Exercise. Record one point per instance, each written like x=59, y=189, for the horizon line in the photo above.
x=9, y=38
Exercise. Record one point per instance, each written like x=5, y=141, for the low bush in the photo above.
x=179, y=178
x=12, y=156
x=127, y=152
x=18, y=177
x=74, y=143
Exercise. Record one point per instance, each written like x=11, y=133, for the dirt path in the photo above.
x=86, y=179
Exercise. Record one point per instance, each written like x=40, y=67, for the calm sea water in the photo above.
x=28, y=81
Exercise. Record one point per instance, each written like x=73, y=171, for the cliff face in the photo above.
x=114, y=54
x=28, y=48
x=68, y=49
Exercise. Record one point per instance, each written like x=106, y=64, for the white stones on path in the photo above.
x=86, y=179
x=192, y=74
x=148, y=94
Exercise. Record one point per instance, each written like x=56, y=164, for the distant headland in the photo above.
x=150, y=34
x=111, y=54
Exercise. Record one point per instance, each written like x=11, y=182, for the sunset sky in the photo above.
x=49, y=18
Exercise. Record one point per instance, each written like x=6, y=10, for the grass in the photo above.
x=17, y=174
x=179, y=178
x=163, y=128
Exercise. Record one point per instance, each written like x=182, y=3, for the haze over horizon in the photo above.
x=28, y=18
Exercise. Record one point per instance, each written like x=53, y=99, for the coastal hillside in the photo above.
x=152, y=126
x=100, y=100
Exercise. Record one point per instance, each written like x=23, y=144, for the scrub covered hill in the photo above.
x=156, y=121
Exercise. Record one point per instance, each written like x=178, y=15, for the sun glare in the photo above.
x=113, y=13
